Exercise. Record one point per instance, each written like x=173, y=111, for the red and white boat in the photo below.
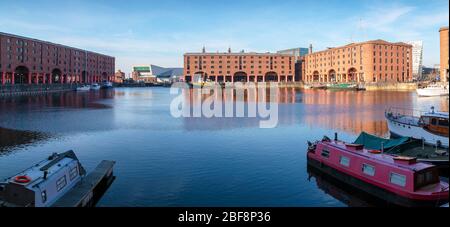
x=399, y=180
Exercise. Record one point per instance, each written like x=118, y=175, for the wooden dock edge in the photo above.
x=91, y=188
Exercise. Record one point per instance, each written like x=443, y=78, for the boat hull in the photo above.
x=432, y=92
x=373, y=190
x=416, y=132
x=83, y=89
x=342, y=86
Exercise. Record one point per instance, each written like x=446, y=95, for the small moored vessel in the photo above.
x=107, y=85
x=95, y=86
x=431, y=127
x=59, y=178
x=342, y=86
x=400, y=180
x=433, y=90
x=84, y=88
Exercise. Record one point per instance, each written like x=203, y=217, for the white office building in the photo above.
x=417, y=54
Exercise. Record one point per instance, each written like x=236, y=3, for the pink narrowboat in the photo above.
x=399, y=180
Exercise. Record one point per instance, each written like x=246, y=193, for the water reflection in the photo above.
x=349, y=111
x=57, y=112
x=67, y=100
x=10, y=138
x=346, y=194
x=194, y=161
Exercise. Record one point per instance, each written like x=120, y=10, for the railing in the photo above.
x=406, y=112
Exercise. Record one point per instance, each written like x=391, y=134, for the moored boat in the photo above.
x=348, y=86
x=400, y=180
x=51, y=180
x=431, y=127
x=317, y=86
x=433, y=90
x=95, y=86
x=84, y=88
x=107, y=85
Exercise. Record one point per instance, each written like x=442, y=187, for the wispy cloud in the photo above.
x=156, y=32
x=385, y=19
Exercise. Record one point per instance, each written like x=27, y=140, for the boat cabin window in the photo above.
x=398, y=179
x=434, y=121
x=61, y=183
x=325, y=153
x=426, y=178
x=425, y=120
x=368, y=170
x=443, y=122
x=73, y=173
x=345, y=161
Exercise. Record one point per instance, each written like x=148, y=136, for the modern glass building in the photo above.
x=417, y=55
x=297, y=52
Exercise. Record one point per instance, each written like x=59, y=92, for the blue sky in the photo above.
x=159, y=32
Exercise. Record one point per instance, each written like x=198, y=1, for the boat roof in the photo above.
x=436, y=114
x=52, y=165
x=383, y=158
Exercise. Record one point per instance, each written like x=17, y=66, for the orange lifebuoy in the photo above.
x=375, y=151
x=22, y=179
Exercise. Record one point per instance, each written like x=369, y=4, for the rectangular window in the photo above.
x=398, y=179
x=73, y=173
x=325, y=153
x=61, y=183
x=345, y=161
x=368, y=170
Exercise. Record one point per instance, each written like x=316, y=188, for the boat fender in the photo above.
x=375, y=152
x=22, y=179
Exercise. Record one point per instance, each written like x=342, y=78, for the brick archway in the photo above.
x=271, y=77
x=21, y=75
x=240, y=77
x=332, y=75
x=57, y=75
x=352, y=75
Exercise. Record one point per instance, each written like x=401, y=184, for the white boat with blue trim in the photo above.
x=431, y=127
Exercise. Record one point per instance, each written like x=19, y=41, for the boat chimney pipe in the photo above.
x=423, y=143
x=335, y=136
x=382, y=147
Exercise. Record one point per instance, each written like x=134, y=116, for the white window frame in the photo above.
x=397, y=183
x=61, y=183
x=347, y=164
x=73, y=173
x=368, y=174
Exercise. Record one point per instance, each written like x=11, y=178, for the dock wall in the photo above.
x=34, y=89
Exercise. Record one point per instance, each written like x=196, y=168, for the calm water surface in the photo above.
x=164, y=161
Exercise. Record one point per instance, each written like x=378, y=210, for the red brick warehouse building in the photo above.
x=31, y=61
x=239, y=67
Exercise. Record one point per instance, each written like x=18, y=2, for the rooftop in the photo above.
x=384, y=158
x=377, y=41
x=236, y=54
x=50, y=43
